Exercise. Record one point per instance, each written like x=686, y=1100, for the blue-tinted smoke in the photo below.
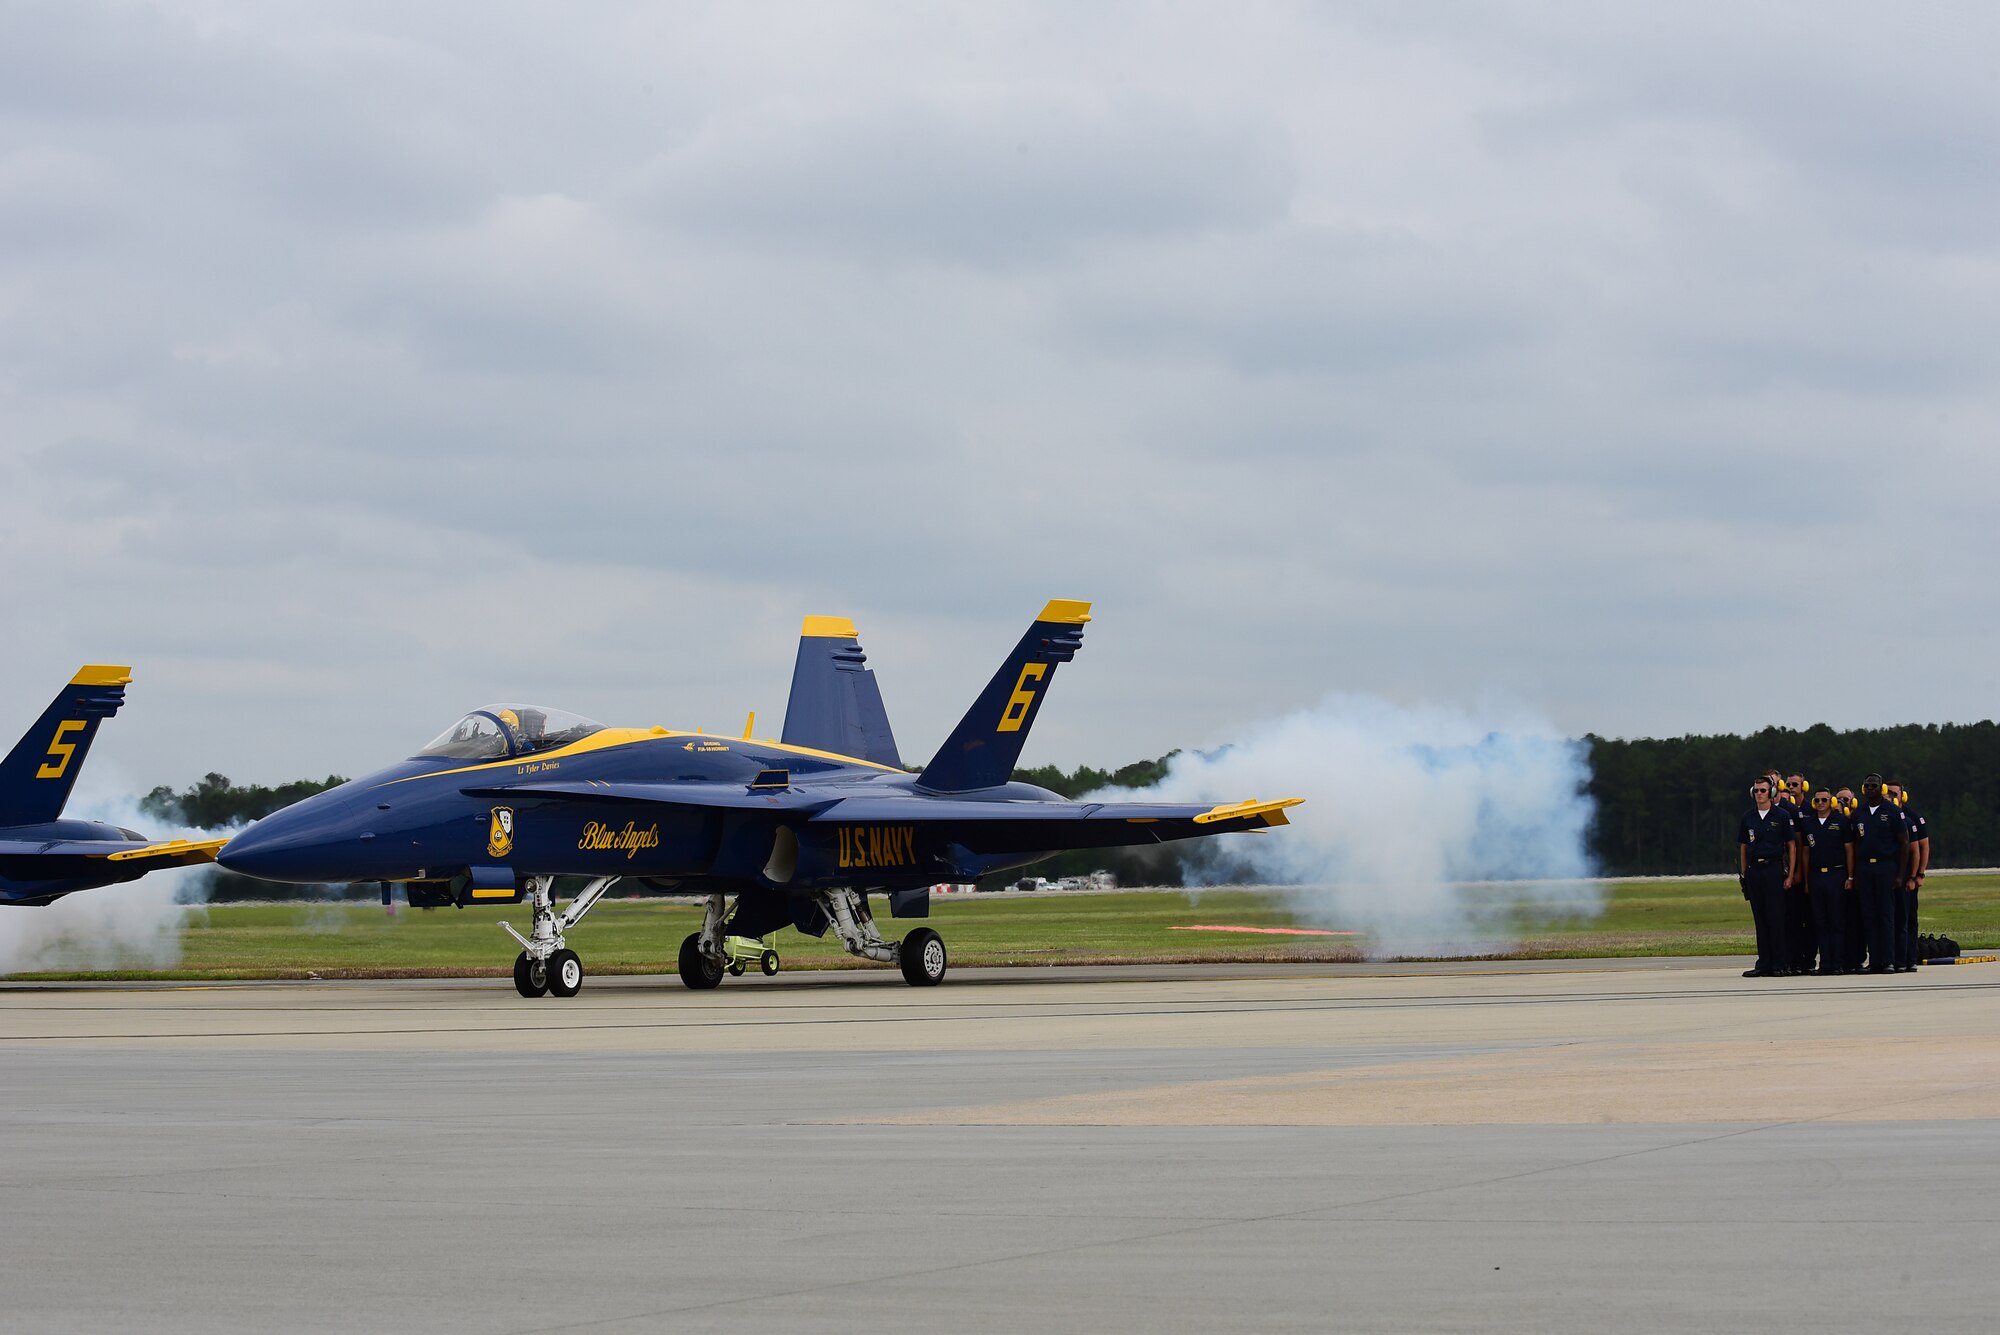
x=1435, y=831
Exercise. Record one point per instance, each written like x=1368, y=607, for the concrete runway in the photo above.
x=1574, y=1146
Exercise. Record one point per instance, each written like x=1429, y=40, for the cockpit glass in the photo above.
x=499, y=731
x=477, y=736
x=538, y=729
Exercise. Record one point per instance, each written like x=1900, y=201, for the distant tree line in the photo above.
x=1669, y=806
x=215, y=803
x=1149, y=864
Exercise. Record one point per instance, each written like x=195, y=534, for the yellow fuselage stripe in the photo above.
x=614, y=737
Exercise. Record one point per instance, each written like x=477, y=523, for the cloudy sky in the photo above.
x=360, y=363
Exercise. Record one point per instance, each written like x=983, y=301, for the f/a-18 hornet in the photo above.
x=44, y=857
x=795, y=832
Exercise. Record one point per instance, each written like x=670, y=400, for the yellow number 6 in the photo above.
x=1023, y=699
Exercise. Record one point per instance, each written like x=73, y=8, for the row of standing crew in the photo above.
x=1831, y=877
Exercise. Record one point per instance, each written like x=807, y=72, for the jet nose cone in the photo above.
x=302, y=843
x=251, y=853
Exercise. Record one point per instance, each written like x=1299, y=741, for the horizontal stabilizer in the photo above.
x=38, y=774
x=836, y=704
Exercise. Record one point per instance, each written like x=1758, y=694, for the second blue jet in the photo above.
x=796, y=832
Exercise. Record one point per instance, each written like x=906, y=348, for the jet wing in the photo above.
x=172, y=853
x=733, y=796
x=1012, y=827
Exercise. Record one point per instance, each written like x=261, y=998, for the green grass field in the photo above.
x=360, y=940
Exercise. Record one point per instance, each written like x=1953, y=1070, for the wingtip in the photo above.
x=1268, y=813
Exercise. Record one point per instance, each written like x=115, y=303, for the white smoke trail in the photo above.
x=1406, y=808
x=136, y=925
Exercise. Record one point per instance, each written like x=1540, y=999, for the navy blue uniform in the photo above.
x=1799, y=933
x=1825, y=846
x=1879, y=841
x=1906, y=900
x=1764, y=838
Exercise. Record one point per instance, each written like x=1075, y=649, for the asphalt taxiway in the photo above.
x=1561, y=1146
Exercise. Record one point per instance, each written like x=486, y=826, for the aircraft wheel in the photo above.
x=922, y=958
x=698, y=971
x=531, y=977
x=565, y=974
x=768, y=962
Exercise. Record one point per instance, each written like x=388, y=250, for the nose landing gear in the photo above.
x=546, y=966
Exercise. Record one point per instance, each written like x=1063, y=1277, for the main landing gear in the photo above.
x=920, y=955
x=705, y=956
x=546, y=966
x=702, y=957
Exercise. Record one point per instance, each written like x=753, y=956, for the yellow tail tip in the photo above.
x=828, y=628
x=1066, y=612
x=101, y=674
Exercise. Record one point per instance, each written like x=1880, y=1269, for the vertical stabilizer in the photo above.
x=835, y=704
x=36, y=777
x=986, y=745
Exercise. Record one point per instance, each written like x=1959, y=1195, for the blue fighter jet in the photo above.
x=799, y=831
x=44, y=857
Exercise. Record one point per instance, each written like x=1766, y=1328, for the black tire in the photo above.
x=565, y=974
x=531, y=977
x=768, y=962
x=922, y=957
x=698, y=971
x=736, y=968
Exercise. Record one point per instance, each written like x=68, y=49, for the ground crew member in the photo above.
x=1853, y=934
x=1765, y=851
x=1881, y=862
x=1798, y=902
x=1906, y=899
x=1829, y=871
x=1853, y=937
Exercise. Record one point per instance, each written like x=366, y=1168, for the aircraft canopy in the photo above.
x=499, y=731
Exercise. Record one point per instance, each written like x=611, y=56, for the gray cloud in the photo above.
x=984, y=180
x=359, y=364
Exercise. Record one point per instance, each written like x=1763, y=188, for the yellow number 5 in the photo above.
x=60, y=751
x=1023, y=699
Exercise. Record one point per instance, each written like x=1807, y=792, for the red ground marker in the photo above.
x=1265, y=931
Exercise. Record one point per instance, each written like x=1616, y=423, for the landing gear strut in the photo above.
x=546, y=966
x=702, y=958
x=920, y=955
